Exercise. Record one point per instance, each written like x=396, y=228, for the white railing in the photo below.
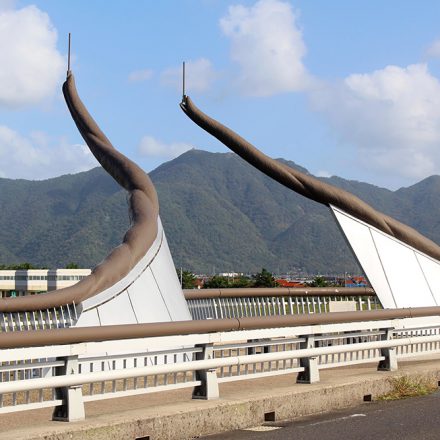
x=203, y=308
x=238, y=307
x=56, y=317
x=66, y=376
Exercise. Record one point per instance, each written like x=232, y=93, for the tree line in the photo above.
x=264, y=278
x=29, y=266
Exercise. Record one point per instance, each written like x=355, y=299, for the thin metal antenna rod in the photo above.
x=68, y=56
x=183, y=80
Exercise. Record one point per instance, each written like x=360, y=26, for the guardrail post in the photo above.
x=390, y=361
x=264, y=348
x=72, y=408
x=251, y=350
x=310, y=364
x=215, y=307
x=208, y=389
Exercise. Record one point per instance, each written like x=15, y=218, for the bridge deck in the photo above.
x=173, y=415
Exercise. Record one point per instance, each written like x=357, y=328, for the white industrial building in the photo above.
x=34, y=281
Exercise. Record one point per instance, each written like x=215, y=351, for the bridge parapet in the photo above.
x=60, y=376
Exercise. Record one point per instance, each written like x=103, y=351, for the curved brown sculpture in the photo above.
x=309, y=186
x=143, y=211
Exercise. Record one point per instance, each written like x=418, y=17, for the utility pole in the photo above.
x=68, y=56
x=183, y=80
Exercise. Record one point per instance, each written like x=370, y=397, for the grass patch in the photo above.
x=404, y=387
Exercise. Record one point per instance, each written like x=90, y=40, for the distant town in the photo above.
x=265, y=278
x=25, y=279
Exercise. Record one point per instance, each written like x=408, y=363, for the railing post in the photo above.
x=215, y=307
x=390, y=361
x=310, y=364
x=251, y=350
x=72, y=408
x=264, y=348
x=208, y=389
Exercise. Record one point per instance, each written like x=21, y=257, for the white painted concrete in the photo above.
x=401, y=275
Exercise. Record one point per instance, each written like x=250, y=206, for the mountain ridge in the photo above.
x=219, y=214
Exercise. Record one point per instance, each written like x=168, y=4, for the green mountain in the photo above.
x=219, y=213
x=72, y=218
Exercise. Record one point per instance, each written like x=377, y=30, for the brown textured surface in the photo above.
x=34, y=338
x=143, y=210
x=309, y=186
x=252, y=292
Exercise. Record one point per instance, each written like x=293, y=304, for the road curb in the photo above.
x=193, y=419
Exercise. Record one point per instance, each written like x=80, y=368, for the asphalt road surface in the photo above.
x=410, y=419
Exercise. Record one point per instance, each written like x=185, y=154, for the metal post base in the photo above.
x=208, y=389
x=72, y=408
x=390, y=361
x=310, y=365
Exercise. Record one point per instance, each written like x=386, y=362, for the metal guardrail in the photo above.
x=66, y=376
x=256, y=302
x=56, y=317
x=239, y=307
x=254, y=292
x=216, y=304
x=131, y=331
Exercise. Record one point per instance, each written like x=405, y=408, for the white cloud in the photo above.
x=151, y=147
x=267, y=44
x=391, y=115
x=37, y=156
x=433, y=50
x=31, y=66
x=7, y=4
x=140, y=75
x=323, y=173
x=199, y=76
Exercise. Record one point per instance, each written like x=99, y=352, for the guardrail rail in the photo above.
x=88, y=364
x=254, y=302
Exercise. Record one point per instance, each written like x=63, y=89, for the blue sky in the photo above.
x=342, y=88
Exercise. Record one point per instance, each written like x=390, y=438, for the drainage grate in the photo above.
x=269, y=416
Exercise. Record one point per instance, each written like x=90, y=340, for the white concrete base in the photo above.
x=400, y=275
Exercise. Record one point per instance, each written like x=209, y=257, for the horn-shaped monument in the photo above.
x=402, y=265
x=137, y=281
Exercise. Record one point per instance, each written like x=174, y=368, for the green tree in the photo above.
x=242, y=281
x=72, y=266
x=217, y=282
x=189, y=280
x=264, y=279
x=20, y=266
x=319, y=281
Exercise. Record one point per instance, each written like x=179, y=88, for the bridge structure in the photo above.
x=128, y=328
x=66, y=368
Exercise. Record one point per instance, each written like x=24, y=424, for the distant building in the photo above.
x=230, y=274
x=358, y=281
x=287, y=283
x=15, y=283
